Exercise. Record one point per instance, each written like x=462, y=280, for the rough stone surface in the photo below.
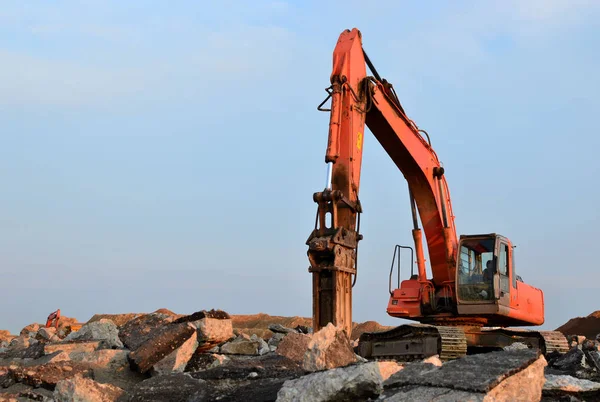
x=138, y=330
x=22, y=392
x=328, y=348
x=5, y=336
x=245, y=345
x=280, y=329
x=203, y=361
x=516, y=375
x=170, y=387
x=102, y=330
x=84, y=389
x=239, y=367
x=71, y=347
x=479, y=373
x=516, y=346
x=293, y=346
x=102, y=358
x=565, y=385
x=199, y=315
x=164, y=342
x=526, y=385
x=276, y=339
x=177, y=360
x=118, y=319
x=46, y=334
x=32, y=352
x=357, y=382
x=30, y=329
x=47, y=375
x=388, y=368
x=414, y=393
x=367, y=326
x=212, y=331
x=435, y=360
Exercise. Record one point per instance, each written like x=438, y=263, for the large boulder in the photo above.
x=354, y=383
x=329, y=348
x=138, y=330
x=163, y=342
x=103, y=330
x=178, y=359
x=497, y=376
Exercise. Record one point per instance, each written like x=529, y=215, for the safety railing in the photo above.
x=397, y=250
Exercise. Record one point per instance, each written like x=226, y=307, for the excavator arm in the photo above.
x=358, y=100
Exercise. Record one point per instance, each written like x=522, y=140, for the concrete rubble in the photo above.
x=212, y=356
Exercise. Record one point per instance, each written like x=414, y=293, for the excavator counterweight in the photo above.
x=474, y=285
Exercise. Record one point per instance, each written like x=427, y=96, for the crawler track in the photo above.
x=418, y=341
x=414, y=341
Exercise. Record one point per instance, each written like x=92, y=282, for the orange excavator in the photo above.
x=474, y=293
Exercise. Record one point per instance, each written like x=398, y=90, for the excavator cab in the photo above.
x=487, y=284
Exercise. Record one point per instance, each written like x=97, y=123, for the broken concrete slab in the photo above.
x=500, y=376
x=138, y=330
x=163, y=342
x=178, y=359
x=85, y=389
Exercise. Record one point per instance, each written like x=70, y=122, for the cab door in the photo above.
x=502, y=281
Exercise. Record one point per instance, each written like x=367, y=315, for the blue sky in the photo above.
x=160, y=155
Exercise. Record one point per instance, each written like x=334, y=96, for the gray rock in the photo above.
x=103, y=330
x=516, y=346
x=280, y=329
x=276, y=339
x=358, y=382
x=245, y=345
x=565, y=386
x=478, y=373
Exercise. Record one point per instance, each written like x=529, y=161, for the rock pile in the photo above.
x=586, y=326
x=163, y=356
